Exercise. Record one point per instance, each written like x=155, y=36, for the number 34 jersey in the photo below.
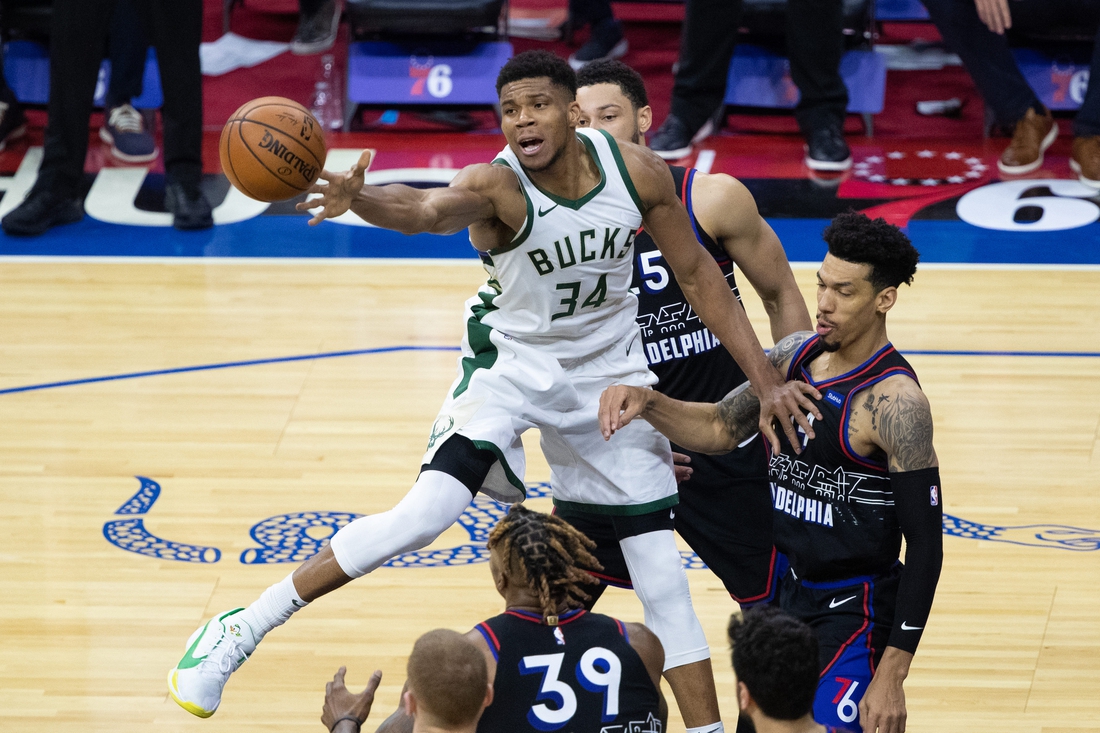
x=563, y=283
x=581, y=676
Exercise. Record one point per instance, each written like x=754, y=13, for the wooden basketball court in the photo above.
x=88, y=630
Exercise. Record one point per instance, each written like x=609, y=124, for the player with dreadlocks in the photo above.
x=555, y=666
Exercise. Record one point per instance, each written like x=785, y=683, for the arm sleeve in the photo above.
x=918, y=500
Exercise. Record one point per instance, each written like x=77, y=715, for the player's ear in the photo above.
x=574, y=114
x=645, y=119
x=488, y=696
x=885, y=299
x=744, y=699
x=409, y=701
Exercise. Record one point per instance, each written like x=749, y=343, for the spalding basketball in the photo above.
x=272, y=149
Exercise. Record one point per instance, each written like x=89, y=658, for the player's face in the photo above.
x=538, y=120
x=847, y=304
x=605, y=107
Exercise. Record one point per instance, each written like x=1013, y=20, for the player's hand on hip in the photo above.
x=338, y=190
x=882, y=708
x=680, y=467
x=787, y=403
x=619, y=405
x=340, y=702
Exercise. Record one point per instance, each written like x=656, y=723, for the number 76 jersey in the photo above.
x=581, y=676
x=562, y=284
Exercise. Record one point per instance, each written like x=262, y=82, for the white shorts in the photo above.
x=505, y=387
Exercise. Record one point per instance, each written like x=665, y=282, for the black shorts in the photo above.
x=852, y=619
x=606, y=530
x=725, y=516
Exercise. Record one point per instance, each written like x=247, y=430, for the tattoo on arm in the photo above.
x=904, y=423
x=782, y=351
x=739, y=412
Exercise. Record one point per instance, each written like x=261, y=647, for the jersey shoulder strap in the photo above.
x=684, y=178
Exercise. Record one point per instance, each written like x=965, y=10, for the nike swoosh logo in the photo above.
x=544, y=213
x=630, y=345
x=834, y=603
x=907, y=627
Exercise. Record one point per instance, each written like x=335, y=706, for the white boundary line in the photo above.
x=977, y=266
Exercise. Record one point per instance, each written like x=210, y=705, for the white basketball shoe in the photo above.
x=213, y=653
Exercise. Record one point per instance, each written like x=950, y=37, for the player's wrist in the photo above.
x=347, y=724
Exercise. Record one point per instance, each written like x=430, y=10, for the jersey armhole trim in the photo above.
x=528, y=223
x=490, y=639
x=622, y=630
x=621, y=164
x=846, y=415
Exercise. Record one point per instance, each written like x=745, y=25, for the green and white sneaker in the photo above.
x=213, y=653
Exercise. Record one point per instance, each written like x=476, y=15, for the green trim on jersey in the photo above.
x=528, y=223
x=620, y=510
x=512, y=478
x=477, y=334
x=576, y=204
x=624, y=172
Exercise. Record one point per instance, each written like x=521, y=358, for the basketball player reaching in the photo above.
x=724, y=512
x=606, y=674
x=551, y=328
x=843, y=504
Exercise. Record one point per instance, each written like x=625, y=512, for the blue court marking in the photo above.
x=223, y=365
x=131, y=535
x=396, y=349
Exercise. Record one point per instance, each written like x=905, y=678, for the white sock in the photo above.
x=274, y=606
x=711, y=728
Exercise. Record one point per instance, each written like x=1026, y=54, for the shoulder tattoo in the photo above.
x=904, y=424
x=787, y=346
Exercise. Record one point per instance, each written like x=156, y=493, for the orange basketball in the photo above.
x=272, y=149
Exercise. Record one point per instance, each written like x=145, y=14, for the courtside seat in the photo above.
x=425, y=17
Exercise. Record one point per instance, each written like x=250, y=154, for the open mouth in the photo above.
x=531, y=145
x=824, y=328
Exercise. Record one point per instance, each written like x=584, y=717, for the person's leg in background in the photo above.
x=175, y=28
x=78, y=33
x=1004, y=89
x=318, y=23
x=606, y=40
x=815, y=45
x=127, y=130
x=707, y=43
x=1085, y=160
x=13, y=123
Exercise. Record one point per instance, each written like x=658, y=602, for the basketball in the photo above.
x=272, y=149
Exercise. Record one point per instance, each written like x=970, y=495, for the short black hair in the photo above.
x=775, y=655
x=854, y=237
x=533, y=64
x=612, y=71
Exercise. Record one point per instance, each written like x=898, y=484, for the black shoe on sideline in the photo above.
x=672, y=140
x=40, y=210
x=607, y=42
x=317, y=32
x=189, y=207
x=826, y=150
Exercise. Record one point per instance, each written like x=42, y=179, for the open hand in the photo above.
x=338, y=191
x=340, y=702
x=882, y=708
x=788, y=403
x=619, y=405
x=680, y=467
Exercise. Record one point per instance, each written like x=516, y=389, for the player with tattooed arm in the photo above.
x=843, y=504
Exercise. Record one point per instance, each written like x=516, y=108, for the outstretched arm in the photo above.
x=698, y=426
x=445, y=210
x=727, y=212
x=709, y=294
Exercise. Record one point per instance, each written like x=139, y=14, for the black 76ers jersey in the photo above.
x=581, y=676
x=834, y=512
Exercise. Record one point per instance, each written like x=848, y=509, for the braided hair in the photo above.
x=550, y=551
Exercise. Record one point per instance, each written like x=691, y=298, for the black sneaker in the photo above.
x=189, y=207
x=40, y=210
x=826, y=150
x=317, y=32
x=672, y=140
x=607, y=42
x=13, y=123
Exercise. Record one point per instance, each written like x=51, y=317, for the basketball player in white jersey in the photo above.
x=553, y=219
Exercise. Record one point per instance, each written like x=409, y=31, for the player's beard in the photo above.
x=830, y=347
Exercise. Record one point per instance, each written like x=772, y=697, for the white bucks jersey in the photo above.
x=563, y=283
